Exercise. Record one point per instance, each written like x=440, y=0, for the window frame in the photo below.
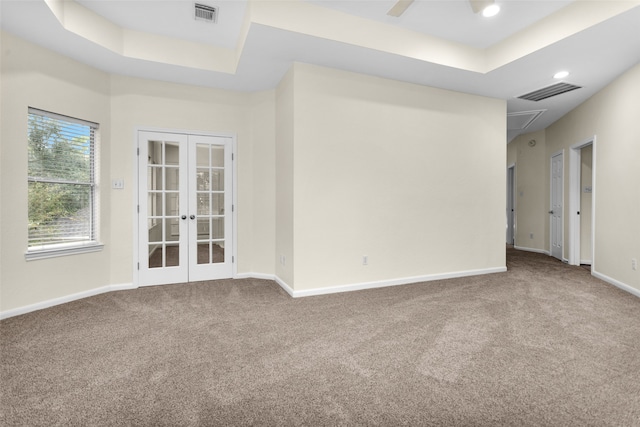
x=84, y=246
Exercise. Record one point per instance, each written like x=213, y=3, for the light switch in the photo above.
x=117, y=184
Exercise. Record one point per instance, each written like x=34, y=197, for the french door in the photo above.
x=185, y=206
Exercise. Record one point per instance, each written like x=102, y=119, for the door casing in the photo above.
x=575, y=157
x=511, y=205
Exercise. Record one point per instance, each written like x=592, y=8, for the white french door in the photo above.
x=556, y=211
x=185, y=210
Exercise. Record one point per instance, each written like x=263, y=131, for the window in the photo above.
x=62, y=185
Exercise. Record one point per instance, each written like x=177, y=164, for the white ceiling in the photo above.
x=595, y=54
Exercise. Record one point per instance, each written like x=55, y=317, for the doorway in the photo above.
x=556, y=212
x=582, y=201
x=511, y=176
x=185, y=207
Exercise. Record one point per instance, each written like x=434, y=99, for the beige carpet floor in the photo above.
x=543, y=344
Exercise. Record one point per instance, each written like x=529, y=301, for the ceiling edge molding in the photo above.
x=566, y=22
x=305, y=18
x=141, y=45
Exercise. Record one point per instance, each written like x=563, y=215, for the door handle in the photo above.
x=183, y=217
x=192, y=217
x=551, y=212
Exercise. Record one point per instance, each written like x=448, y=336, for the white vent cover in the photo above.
x=206, y=13
x=522, y=119
x=549, y=91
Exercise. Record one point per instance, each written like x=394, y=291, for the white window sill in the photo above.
x=53, y=252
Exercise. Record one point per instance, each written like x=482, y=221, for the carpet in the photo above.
x=541, y=344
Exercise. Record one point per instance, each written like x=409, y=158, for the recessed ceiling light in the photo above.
x=491, y=10
x=560, y=74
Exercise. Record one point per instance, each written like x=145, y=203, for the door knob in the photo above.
x=183, y=217
x=551, y=212
x=192, y=217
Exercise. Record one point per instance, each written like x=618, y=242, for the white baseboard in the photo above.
x=386, y=283
x=585, y=261
x=293, y=293
x=255, y=276
x=67, y=298
x=539, y=251
x=288, y=289
x=616, y=283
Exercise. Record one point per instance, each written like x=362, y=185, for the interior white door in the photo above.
x=210, y=208
x=556, y=205
x=185, y=208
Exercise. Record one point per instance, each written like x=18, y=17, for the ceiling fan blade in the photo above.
x=479, y=5
x=399, y=8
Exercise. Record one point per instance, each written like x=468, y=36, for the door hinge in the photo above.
x=233, y=259
x=138, y=150
x=233, y=208
x=138, y=266
x=232, y=156
x=138, y=208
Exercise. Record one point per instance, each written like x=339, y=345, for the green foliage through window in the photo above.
x=61, y=180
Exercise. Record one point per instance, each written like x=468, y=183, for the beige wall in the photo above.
x=410, y=176
x=284, y=178
x=532, y=190
x=611, y=115
x=35, y=77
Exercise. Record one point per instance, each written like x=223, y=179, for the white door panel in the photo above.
x=556, y=211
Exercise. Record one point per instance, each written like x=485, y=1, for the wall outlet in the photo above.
x=365, y=260
x=117, y=184
x=634, y=264
x=531, y=235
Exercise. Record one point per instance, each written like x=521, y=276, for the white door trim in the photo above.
x=511, y=193
x=575, y=158
x=557, y=153
x=135, y=191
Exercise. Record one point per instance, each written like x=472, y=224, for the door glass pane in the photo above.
x=173, y=230
x=203, y=181
x=204, y=231
x=217, y=179
x=217, y=252
x=154, y=204
x=204, y=253
x=172, y=204
x=217, y=205
x=172, y=258
x=155, y=230
x=172, y=178
x=155, y=256
x=217, y=156
x=154, y=177
x=202, y=154
x=203, y=203
x=217, y=228
x=172, y=153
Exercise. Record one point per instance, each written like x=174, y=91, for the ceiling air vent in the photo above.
x=549, y=91
x=206, y=13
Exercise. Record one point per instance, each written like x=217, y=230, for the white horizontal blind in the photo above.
x=61, y=180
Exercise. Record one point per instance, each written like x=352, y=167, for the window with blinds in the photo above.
x=61, y=182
